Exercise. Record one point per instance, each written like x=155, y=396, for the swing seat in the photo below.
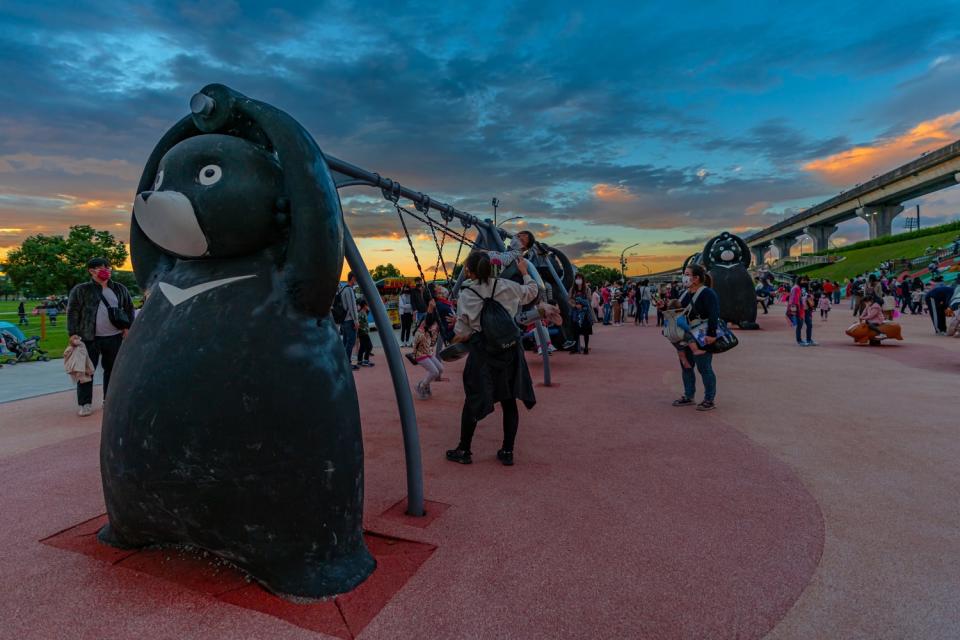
x=454, y=352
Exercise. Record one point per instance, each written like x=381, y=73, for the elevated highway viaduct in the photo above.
x=877, y=202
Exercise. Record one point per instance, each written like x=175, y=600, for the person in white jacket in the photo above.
x=490, y=377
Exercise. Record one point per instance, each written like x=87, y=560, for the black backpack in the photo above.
x=338, y=311
x=497, y=327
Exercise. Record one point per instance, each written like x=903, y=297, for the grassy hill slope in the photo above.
x=868, y=258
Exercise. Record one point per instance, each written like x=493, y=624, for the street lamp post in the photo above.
x=496, y=203
x=509, y=219
x=622, y=263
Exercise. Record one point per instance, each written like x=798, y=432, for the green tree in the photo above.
x=127, y=279
x=596, y=275
x=7, y=289
x=45, y=265
x=382, y=271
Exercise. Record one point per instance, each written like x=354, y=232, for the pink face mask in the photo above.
x=103, y=273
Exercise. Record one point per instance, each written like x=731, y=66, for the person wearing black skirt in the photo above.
x=491, y=376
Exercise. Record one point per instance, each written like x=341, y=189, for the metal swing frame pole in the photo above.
x=398, y=374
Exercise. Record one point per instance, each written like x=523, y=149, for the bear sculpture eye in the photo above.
x=158, y=181
x=209, y=175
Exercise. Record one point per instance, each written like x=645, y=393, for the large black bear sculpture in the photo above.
x=232, y=423
x=726, y=258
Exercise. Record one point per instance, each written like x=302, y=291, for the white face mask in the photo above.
x=579, y=280
x=686, y=280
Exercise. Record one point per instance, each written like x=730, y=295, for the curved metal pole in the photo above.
x=543, y=336
x=544, y=349
x=401, y=386
x=562, y=296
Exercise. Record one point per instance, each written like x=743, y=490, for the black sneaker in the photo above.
x=706, y=405
x=354, y=366
x=682, y=401
x=459, y=455
x=506, y=457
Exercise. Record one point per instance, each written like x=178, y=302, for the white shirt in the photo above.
x=510, y=294
x=104, y=327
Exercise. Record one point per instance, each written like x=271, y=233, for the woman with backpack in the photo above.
x=496, y=370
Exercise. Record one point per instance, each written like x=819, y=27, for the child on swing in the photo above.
x=424, y=347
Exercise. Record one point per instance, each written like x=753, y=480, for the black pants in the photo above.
x=108, y=348
x=938, y=315
x=406, y=321
x=511, y=421
x=365, y=349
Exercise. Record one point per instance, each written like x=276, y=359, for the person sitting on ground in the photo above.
x=493, y=373
x=424, y=351
x=873, y=315
x=953, y=327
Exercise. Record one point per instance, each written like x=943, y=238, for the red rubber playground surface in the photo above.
x=818, y=501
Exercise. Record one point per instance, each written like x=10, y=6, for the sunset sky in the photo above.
x=603, y=124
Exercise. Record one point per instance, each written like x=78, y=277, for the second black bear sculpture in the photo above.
x=232, y=423
x=726, y=258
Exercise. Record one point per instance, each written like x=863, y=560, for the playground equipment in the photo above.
x=726, y=258
x=237, y=215
x=863, y=334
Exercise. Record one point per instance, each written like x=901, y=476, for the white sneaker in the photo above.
x=880, y=336
x=85, y=410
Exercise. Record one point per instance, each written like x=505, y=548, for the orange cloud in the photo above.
x=612, y=193
x=861, y=163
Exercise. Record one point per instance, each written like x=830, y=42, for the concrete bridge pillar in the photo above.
x=880, y=218
x=758, y=254
x=783, y=245
x=821, y=235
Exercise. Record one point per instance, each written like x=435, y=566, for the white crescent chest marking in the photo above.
x=176, y=295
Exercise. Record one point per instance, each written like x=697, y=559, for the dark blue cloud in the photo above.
x=533, y=101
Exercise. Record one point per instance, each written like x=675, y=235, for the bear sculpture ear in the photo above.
x=150, y=262
x=314, y=253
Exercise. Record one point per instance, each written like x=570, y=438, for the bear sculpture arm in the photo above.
x=314, y=252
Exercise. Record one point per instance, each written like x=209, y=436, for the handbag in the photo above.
x=725, y=341
x=117, y=315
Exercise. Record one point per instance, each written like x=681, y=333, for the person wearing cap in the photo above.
x=88, y=321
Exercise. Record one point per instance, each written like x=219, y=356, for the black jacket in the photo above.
x=706, y=307
x=83, y=303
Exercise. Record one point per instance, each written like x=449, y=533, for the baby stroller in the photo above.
x=15, y=347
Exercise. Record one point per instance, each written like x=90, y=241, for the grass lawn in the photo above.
x=869, y=258
x=56, y=340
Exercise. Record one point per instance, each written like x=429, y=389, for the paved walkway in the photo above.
x=29, y=379
x=817, y=501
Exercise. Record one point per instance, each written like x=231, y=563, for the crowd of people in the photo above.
x=100, y=312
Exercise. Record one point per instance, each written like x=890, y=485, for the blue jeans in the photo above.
x=704, y=365
x=349, y=338
x=607, y=311
x=644, y=310
x=799, y=324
